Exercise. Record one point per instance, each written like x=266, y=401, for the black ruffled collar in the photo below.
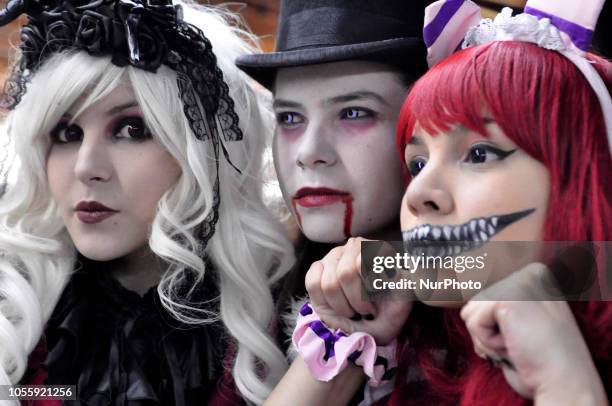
x=123, y=349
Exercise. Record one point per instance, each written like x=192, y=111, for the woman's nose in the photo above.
x=428, y=193
x=315, y=149
x=93, y=163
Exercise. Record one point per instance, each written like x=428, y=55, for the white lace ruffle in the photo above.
x=523, y=27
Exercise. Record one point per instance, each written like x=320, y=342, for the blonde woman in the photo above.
x=140, y=146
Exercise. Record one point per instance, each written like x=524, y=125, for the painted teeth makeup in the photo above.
x=473, y=233
x=447, y=232
x=473, y=226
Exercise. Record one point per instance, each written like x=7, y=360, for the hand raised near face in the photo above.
x=535, y=341
x=335, y=288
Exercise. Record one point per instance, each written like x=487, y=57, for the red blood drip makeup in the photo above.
x=320, y=197
x=348, y=215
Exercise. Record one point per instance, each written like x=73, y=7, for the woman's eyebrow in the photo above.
x=415, y=140
x=286, y=104
x=121, y=107
x=356, y=96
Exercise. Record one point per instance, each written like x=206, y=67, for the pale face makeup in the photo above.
x=466, y=187
x=107, y=173
x=334, y=148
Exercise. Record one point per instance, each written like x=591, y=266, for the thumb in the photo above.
x=339, y=322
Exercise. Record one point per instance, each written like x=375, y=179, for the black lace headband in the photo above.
x=141, y=33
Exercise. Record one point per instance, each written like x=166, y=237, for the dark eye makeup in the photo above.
x=416, y=165
x=131, y=128
x=477, y=154
x=483, y=153
x=65, y=132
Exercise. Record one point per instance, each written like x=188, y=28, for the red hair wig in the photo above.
x=544, y=104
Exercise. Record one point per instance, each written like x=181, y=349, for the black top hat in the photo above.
x=320, y=31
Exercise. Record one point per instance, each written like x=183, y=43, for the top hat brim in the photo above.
x=406, y=54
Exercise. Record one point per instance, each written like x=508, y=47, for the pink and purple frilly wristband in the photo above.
x=327, y=352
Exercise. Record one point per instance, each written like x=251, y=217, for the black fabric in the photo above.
x=407, y=55
x=344, y=23
x=122, y=349
x=313, y=32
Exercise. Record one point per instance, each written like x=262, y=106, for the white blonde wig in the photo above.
x=249, y=250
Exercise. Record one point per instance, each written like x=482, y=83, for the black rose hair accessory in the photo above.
x=141, y=33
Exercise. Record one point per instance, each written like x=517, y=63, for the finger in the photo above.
x=313, y=285
x=479, y=349
x=480, y=319
x=342, y=323
x=484, y=322
x=495, y=341
x=487, y=340
x=392, y=315
x=394, y=312
x=332, y=290
x=469, y=309
x=349, y=276
x=315, y=274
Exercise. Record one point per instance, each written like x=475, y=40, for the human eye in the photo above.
x=132, y=128
x=64, y=133
x=289, y=119
x=416, y=165
x=484, y=153
x=356, y=113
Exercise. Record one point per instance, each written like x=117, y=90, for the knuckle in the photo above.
x=504, y=307
x=330, y=286
x=346, y=273
x=313, y=276
x=310, y=284
x=335, y=251
x=471, y=325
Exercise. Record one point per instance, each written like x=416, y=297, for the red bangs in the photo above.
x=533, y=94
x=447, y=95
